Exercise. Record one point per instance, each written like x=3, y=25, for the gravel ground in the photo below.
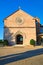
x=21, y=55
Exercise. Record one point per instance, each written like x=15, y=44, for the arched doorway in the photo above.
x=19, y=39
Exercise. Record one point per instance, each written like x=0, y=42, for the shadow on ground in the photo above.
x=20, y=56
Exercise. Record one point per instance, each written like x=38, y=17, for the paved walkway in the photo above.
x=21, y=55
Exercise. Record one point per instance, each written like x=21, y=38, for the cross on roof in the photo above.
x=19, y=7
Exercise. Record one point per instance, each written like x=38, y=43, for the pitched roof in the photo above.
x=17, y=11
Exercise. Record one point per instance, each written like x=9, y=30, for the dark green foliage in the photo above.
x=32, y=42
x=4, y=42
x=1, y=41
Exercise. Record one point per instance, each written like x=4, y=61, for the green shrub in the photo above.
x=1, y=43
x=4, y=42
x=32, y=42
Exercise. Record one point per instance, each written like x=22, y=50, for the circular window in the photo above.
x=19, y=20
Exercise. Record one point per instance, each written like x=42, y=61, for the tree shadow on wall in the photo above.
x=20, y=56
x=9, y=36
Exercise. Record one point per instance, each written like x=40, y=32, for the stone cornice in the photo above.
x=19, y=27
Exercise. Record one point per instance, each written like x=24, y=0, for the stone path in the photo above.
x=21, y=55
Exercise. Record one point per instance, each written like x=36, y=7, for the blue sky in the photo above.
x=33, y=7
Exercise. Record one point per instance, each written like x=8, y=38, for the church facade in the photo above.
x=20, y=28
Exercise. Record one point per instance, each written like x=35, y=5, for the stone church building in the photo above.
x=20, y=28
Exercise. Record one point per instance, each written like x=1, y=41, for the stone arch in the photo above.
x=19, y=39
x=21, y=33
